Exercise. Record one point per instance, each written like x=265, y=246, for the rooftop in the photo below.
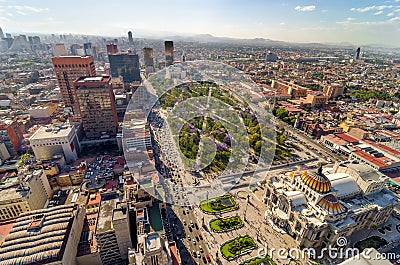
x=153, y=242
x=52, y=131
x=38, y=237
x=92, y=79
x=104, y=222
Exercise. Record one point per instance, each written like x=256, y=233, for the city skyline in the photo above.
x=367, y=22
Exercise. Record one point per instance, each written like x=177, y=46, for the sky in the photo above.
x=358, y=22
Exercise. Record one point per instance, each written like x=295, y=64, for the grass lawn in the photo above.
x=234, y=247
x=258, y=260
x=218, y=205
x=223, y=224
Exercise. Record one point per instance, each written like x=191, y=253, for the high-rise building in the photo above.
x=87, y=47
x=1, y=33
x=74, y=49
x=20, y=43
x=125, y=65
x=97, y=106
x=357, y=54
x=169, y=53
x=11, y=135
x=34, y=39
x=35, y=43
x=130, y=37
x=68, y=69
x=59, y=49
x=112, y=48
x=148, y=57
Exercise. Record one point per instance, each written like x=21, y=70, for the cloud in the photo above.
x=21, y=13
x=282, y=23
x=370, y=8
x=394, y=19
x=304, y=8
x=29, y=9
x=324, y=11
x=350, y=19
x=378, y=13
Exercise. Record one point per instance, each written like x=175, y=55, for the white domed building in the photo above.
x=316, y=208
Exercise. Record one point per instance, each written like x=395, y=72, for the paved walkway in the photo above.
x=252, y=214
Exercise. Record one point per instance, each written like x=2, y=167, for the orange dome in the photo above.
x=318, y=182
x=331, y=204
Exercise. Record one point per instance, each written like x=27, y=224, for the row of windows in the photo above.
x=11, y=211
x=70, y=65
x=48, y=144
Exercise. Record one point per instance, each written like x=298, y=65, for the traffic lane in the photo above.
x=179, y=234
x=193, y=232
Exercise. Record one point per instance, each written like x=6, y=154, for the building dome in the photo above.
x=318, y=182
x=331, y=204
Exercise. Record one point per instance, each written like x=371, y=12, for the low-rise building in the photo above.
x=30, y=191
x=333, y=91
x=52, y=140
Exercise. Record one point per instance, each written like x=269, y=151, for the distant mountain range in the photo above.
x=268, y=42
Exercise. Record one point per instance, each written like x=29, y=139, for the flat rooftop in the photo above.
x=52, y=131
x=104, y=221
x=92, y=79
x=153, y=242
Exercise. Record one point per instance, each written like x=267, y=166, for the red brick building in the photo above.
x=67, y=70
x=11, y=135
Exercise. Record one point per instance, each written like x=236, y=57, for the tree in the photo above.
x=281, y=113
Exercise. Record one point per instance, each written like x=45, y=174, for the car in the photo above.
x=191, y=223
x=190, y=229
x=194, y=253
x=197, y=227
x=208, y=258
x=201, y=249
x=198, y=254
x=200, y=236
x=188, y=237
x=194, y=241
x=197, y=238
x=184, y=222
x=204, y=260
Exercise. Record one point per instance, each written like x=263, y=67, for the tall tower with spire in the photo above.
x=1, y=34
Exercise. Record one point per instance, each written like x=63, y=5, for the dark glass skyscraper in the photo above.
x=130, y=37
x=357, y=54
x=169, y=53
x=125, y=65
x=148, y=57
